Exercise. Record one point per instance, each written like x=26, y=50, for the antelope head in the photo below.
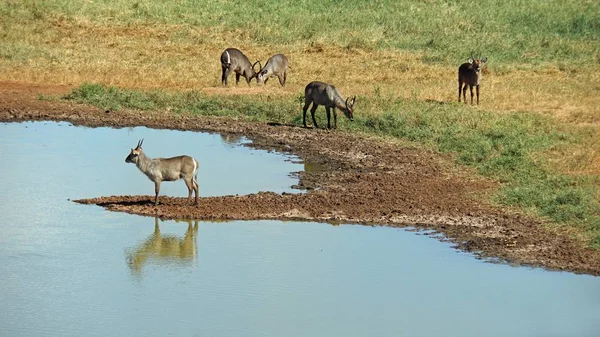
x=134, y=154
x=349, y=109
x=260, y=78
x=476, y=63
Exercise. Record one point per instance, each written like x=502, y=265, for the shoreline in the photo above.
x=364, y=180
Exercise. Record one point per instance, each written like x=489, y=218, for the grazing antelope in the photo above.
x=166, y=169
x=469, y=74
x=164, y=248
x=234, y=60
x=319, y=93
x=277, y=65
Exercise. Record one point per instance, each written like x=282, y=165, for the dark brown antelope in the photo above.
x=469, y=74
x=276, y=66
x=234, y=60
x=319, y=93
x=166, y=169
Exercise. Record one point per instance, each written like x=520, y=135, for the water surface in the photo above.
x=77, y=270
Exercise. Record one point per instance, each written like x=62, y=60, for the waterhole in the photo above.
x=77, y=270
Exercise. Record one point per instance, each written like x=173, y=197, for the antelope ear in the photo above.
x=470, y=60
x=353, y=100
x=483, y=60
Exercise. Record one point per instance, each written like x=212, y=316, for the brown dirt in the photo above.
x=365, y=181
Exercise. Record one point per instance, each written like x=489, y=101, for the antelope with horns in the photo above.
x=166, y=169
x=319, y=93
x=469, y=74
x=277, y=65
x=234, y=60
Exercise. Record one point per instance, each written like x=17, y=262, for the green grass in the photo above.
x=511, y=31
x=508, y=147
x=252, y=108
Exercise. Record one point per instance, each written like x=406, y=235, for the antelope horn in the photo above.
x=140, y=143
x=347, y=101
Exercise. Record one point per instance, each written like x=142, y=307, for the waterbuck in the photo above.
x=469, y=74
x=319, y=93
x=166, y=169
x=277, y=65
x=234, y=60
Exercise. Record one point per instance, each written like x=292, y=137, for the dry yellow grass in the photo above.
x=176, y=58
x=153, y=57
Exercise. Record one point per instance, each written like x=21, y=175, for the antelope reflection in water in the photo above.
x=165, y=249
x=231, y=138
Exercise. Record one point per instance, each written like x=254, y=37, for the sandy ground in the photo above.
x=363, y=180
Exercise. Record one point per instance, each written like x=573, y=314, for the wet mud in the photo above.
x=360, y=180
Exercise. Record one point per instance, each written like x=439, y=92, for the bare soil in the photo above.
x=364, y=180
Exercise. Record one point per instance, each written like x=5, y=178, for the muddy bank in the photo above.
x=364, y=181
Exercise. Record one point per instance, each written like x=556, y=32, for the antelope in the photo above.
x=319, y=93
x=469, y=74
x=169, y=248
x=166, y=169
x=277, y=65
x=234, y=60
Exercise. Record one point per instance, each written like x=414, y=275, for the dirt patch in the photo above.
x=362, y=180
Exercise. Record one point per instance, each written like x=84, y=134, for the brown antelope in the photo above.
x=234, y=60
x=277, y=65
x=168, y=248
x=166, y=169
x=319, y=93
x=469, y=74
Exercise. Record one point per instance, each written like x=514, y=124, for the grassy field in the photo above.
x=536, y=130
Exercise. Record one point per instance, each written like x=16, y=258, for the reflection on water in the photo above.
x=232, y=139
x=165, y=249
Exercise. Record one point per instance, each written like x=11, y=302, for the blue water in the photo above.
x=66, y=269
